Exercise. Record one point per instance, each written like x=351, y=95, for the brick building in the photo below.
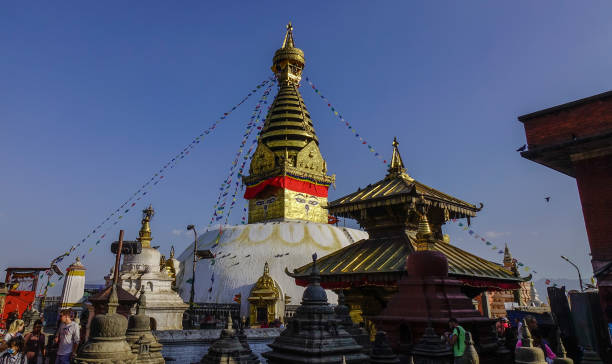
x=576, y=139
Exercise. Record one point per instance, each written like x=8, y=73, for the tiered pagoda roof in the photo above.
x=389, y=210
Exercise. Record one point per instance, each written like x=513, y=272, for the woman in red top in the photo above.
x=35, y=343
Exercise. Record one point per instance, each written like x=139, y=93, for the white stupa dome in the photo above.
x=243, y=251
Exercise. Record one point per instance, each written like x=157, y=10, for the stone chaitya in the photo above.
x=427, y=299
x=229, y=349
x=381, y=351
x=140, y=337
x=315, y=334
x=360, y=335
x=143, y=271
x=107, y=343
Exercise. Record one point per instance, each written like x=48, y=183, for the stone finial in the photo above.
x=381, y=351
x=470, y=355
x=561, y=354
x=527, y=353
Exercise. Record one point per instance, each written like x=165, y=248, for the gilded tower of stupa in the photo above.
x=288, y=176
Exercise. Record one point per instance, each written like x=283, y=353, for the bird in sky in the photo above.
x=522, y=148
x=547, y=198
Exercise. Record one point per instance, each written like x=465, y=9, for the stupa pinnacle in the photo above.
x=288, y=176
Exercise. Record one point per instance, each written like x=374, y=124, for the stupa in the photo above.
x=286, y=188
x=314, y=333
x=381, y=351
x=229, y=349
x=140, y=338
x=74, y=287
x=107, y=343
x=360, y=335
x=143, y=272
x=428, y=298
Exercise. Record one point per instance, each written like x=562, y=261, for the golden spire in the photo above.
x=396, y=168
x=288, y=147
x=288, y=61
x=423, y=235
x=144, y=235
x=288, y=41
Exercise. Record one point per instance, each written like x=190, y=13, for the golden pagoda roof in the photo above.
x=399, y=187
x=384, y=256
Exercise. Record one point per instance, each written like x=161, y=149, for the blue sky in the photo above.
x=95, y=97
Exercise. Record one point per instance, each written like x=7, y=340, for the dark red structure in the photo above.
x=428, y=296
x=576, y=139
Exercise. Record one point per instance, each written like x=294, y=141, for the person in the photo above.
x=456, y=339
x=539, y=342
x=35, y=343
x=14, y=354
x=14, y=330
x=68, y=338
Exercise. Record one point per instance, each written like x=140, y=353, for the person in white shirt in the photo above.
x=68, y=337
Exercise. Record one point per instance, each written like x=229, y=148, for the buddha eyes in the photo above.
x=311, y=202
x=300, y=200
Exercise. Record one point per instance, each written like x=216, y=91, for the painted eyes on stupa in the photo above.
x=311, y=202
x=300, y=200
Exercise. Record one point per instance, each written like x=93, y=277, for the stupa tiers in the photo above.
x=314, y=333
x=144, y=345
x=389, y=210
x=107, y=343
x=144, y=272
x=287, y=193
x=427, y=298
x=288, y=176
x=229, y=349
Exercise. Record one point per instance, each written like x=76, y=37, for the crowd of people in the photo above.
x=35, y=347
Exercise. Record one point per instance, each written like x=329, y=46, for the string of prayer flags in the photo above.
x=255, y=123
x=112, y=219
x=477, y=236
x=350, y=127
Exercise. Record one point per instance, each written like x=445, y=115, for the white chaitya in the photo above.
x=243, y=251
x=144, y=270
x=74, y=286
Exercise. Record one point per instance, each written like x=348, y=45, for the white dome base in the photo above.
x=244, y=249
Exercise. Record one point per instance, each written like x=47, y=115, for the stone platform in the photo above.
x=189, y=346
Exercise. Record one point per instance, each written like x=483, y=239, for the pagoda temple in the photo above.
x=286, y=188
x=369, y=270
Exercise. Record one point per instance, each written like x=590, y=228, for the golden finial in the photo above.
x=144, y=235
x=507, y=255
x=172, y=252
x=423, y=233
x=266, y=269
x=396, y=167
x=288, y=41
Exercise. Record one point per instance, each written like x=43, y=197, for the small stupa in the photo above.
x=431, y=349
x=381, y=351
x=561, y=354
x=140, y=337
x=107, y=343
x=360, y=335
x=527, y=353
x=314, y=333
x=229, y=349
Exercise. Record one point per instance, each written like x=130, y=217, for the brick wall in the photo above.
x=594, y=179
x=581, y=120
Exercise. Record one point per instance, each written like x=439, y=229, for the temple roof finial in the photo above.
x=507, y=255
x=288, y=41
x=396, y=167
